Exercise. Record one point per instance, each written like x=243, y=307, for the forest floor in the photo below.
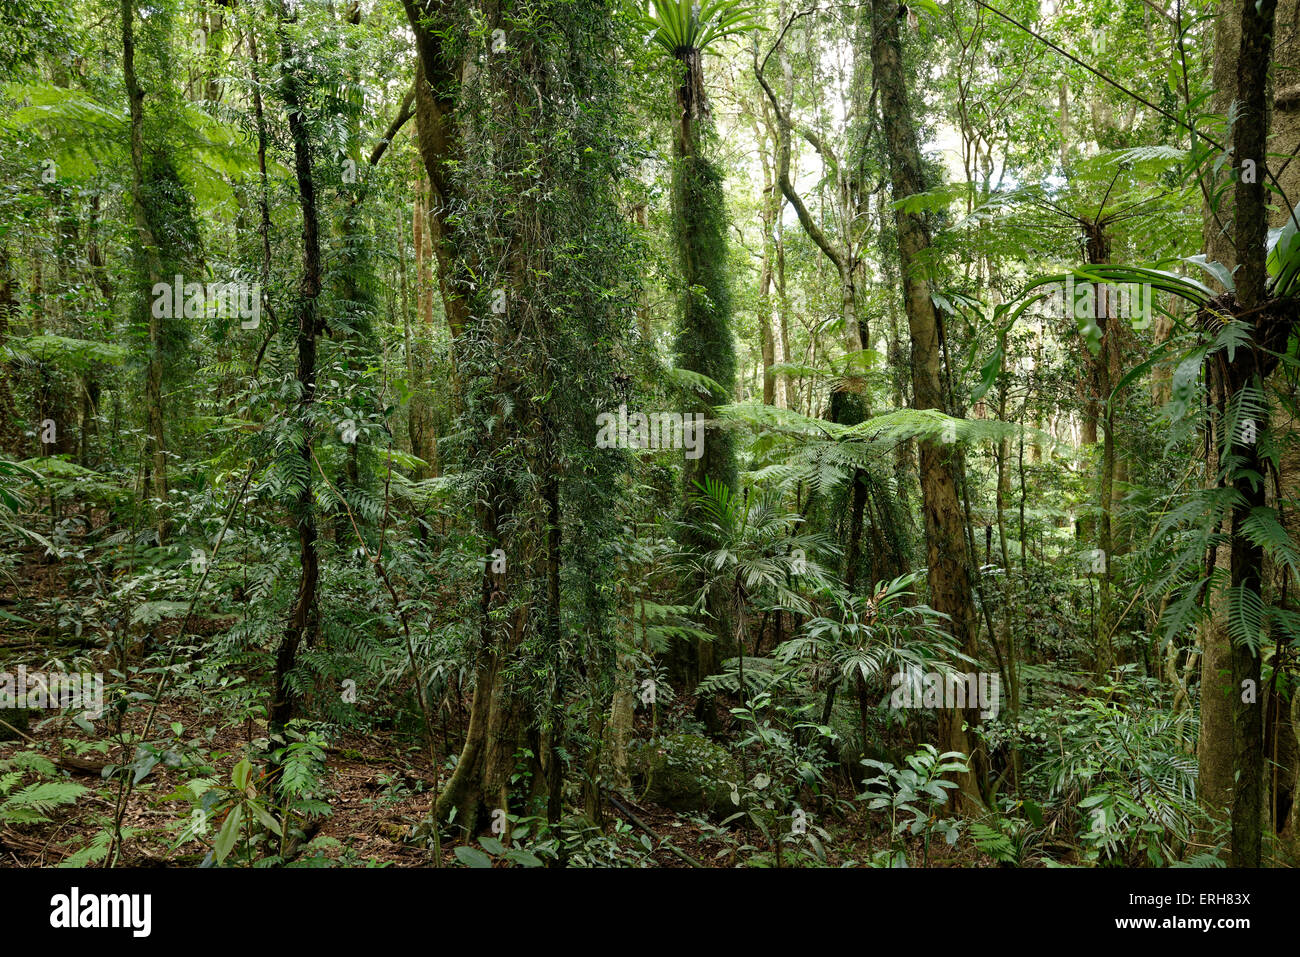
x=378, y=793
x=378, y=784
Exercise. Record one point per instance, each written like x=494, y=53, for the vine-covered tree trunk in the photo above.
x=151, y=273
x=304, y=613
x=421, y=419
x=1249, y=368
x=506, y=195
x=948, y=575
x=438, y=133
x=1282, y=748
x=1104, y=368
x=11, y=439
x=1214, y=743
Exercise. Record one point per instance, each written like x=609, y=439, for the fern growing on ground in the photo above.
x=32, y=804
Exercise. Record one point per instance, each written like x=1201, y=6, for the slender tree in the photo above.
x=948, y=571
x=304, y=614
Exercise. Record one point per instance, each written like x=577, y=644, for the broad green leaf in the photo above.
x=228, y=834
x=472, y=856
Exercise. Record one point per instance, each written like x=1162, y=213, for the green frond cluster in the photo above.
x=34, y=803
x=693, y=25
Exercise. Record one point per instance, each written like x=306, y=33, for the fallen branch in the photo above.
x=623, y=809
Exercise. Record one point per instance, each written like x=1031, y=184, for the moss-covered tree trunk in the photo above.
x=703, y=341
x=11, y=437
x=949, y=576
x=150, y=273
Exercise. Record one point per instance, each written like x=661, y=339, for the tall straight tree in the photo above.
x=1246, y=371
x=165, y=230
x=1231, y=745
x=304, y=613
x=703, y=343
x=948, y=572
x=1214, y=743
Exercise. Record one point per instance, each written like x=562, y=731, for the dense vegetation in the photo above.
x=582, y=432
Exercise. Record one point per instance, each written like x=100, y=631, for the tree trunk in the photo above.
x=1214, y=743
x=1250, y=141
x=438, y=136
x=1283, y=749
x=304, y=614
x=152, y=273
x=1104, y=368
x=948, y=575
x=11, y=437
x=703, y=342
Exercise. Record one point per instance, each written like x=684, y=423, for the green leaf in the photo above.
x=989, y=371
x=266, y=819
x=526, y=858
x=472, y=856
x=1221, y=273
x=1034, y=813
x=144, y=762
x=228, y=834
x=492, y=845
